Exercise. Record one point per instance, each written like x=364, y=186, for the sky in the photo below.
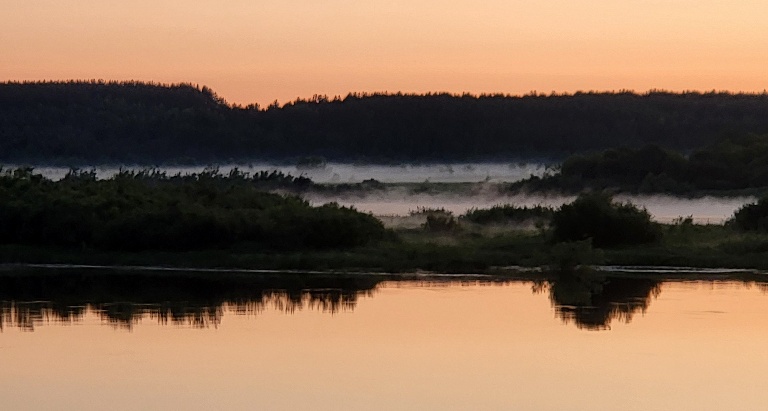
x=253, y=51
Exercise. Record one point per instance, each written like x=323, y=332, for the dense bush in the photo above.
x=736, y=163
x=440, y=222
x=566, y=257
x=507, y=214
x=607, y=223
x=150, y=211
x=752, y=217
x=437, y=219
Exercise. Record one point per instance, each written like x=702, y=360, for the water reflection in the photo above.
x=588, y=299
x=30, y=299
x=592, y=300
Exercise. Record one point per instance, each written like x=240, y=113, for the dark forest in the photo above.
x=72, y=123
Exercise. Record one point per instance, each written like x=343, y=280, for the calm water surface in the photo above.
x=631, y=344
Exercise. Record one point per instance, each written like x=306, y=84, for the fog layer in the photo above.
x=350, y=173
x=400, y=201
x=663, y=208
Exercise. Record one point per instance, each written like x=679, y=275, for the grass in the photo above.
x=412, y=250
x=706, y=246
x=465, y=250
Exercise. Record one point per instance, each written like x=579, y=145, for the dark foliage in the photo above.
x=151, y=211
x=736, y=163
x=171, y=296
x=752, y=217
x=148, y=123
x=739, y=162
x=593, y=301
x=607, y=223
x=437, y=219
x=508, y=214
x=440, y=222
x=626, y=166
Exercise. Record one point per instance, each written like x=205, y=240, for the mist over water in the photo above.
x=400, y=201
x=663, y=208
x=705, y=210
x=348, y=173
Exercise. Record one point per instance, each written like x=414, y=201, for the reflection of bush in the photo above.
x=576, y=287
x=607, y=223
x=593, y=301
x=28, y=299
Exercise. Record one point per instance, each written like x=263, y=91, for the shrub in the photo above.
x=565, y=257
x=437, y=219
x=507, y=214
x=151, y=211
x=438, y=222
x=751, y=217
x=607, y=223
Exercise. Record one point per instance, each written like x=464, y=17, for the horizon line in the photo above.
x=318, y=98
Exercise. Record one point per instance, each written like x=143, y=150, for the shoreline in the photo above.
x=495, y=273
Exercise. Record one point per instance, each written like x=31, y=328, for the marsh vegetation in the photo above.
x=689, y=144
x=215, y=220
x=134, y=211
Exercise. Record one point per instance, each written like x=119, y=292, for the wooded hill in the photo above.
x=96, y=122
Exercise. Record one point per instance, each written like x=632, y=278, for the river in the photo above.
x=83, y=341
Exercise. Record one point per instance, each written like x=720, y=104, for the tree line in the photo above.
x=145, y=123
x=151, y=211
x=736, y=163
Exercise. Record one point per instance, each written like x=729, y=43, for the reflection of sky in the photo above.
x=698, y=346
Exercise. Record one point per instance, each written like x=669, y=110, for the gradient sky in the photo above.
x=259, y=51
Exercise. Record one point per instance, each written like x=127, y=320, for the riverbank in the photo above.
x=466, y=250
x=211, y=220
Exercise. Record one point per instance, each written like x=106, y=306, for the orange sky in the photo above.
x=259, y=51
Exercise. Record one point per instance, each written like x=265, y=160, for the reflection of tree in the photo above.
x=592, y=300
x=31, y=299
x=763, y=287
x=589, y=299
